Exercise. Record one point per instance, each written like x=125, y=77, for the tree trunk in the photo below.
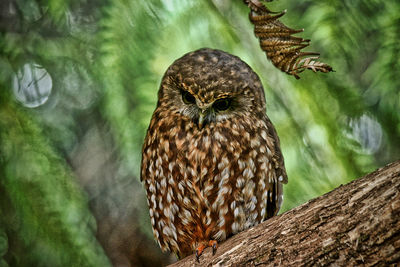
x=355, y=224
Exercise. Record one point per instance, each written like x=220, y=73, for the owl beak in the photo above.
x=202, y=116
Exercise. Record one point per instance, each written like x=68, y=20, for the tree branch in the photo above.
x=355, y=224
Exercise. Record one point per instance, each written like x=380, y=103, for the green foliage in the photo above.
x=3, y=247
x=105, y=60
x=45, y=210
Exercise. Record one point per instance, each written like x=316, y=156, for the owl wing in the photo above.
x=275, y=198
x=277, y=154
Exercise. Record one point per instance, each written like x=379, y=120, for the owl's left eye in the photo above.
x=222, y=104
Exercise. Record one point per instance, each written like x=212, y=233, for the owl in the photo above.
x=211, y=163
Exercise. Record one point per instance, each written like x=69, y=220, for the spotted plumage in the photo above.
x=212, y=164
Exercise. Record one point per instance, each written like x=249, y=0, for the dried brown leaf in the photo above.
x=278, y=42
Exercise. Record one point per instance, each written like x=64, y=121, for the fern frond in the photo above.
x=279, y=44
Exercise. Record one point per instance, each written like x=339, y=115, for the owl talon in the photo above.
x=201, y=248
x=199, y=251
x=214, y=245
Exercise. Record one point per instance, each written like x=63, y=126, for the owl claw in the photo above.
x=200, y=249
x=214, y=245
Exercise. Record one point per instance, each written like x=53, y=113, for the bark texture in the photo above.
x=355, y=224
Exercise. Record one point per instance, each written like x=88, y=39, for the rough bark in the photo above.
x=355, y=224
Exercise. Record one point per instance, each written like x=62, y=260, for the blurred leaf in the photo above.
x=48, y=214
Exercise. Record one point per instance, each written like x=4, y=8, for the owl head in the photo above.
x=208, y=86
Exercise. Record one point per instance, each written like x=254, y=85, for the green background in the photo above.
x=69, y=158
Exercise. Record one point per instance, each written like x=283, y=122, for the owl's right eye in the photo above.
x=188, y=98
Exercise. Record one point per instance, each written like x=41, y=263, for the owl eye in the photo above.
x=222, y=104
x=188, y=98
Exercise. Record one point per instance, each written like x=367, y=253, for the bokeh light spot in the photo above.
x=32, y=85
